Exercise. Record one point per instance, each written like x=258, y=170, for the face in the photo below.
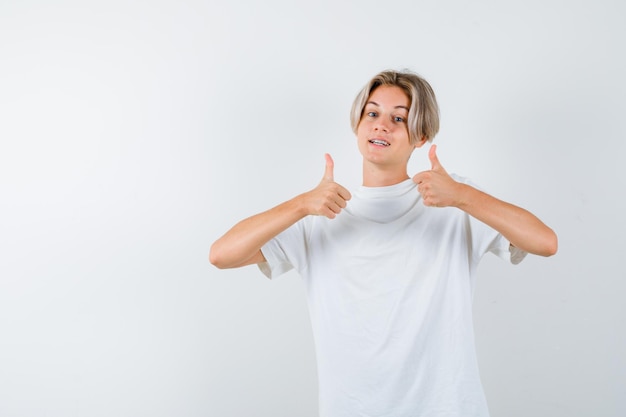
x=382, y=134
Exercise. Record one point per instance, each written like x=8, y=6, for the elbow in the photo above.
x=215, y=258
x=545, y=244
x=551, y=245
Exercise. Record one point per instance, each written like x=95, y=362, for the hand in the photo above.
x=328, y=198
x=437, y=187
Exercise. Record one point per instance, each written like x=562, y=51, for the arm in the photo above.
x=520, y=227
x=242, y=244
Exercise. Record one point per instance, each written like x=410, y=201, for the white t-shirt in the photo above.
x=389, y=284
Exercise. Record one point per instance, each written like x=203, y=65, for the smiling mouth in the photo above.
x=379, y=142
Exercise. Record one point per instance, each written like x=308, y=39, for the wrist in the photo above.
x=300, y=205
x=464, y=196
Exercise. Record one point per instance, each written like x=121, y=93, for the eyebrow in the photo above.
x=397, y=107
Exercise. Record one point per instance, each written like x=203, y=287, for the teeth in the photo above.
x=379, y=142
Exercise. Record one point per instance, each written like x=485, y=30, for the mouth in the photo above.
x=379, y=142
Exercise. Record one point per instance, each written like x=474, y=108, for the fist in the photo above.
x=437, y=187
x=328, y=198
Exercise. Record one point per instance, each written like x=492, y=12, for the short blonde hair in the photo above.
x=423, y=120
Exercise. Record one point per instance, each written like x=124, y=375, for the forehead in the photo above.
x=389, y=96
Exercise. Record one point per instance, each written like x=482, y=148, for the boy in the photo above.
x=389, y=272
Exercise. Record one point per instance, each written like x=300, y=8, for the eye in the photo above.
x=398, y=119
x=372, y=114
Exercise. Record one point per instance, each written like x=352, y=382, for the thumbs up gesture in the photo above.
x=328, y=198
x=437, y=187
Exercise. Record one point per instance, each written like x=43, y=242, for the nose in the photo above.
x=381, y=125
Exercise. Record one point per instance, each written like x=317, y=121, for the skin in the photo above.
x=384, y=119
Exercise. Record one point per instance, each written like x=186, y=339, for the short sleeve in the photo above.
x=286, y=251
x=486, y=239
x=275, y=263
x=502, y=248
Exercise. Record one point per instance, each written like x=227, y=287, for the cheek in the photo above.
x=405, y=132
x=361, y=130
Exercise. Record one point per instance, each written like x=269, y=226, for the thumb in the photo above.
x=432, y=155
x=330, y=165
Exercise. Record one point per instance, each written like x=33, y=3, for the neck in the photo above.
x=380, y=176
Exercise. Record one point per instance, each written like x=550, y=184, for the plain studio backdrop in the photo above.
x=134, y=134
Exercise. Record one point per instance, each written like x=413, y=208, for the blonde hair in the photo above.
x=423, y=120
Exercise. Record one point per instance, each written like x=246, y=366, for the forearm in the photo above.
x=242, y=243
x=523, y=229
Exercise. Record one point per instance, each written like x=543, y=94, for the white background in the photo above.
x=133, y=134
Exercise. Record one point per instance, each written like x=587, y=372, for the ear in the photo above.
x=421, y=142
